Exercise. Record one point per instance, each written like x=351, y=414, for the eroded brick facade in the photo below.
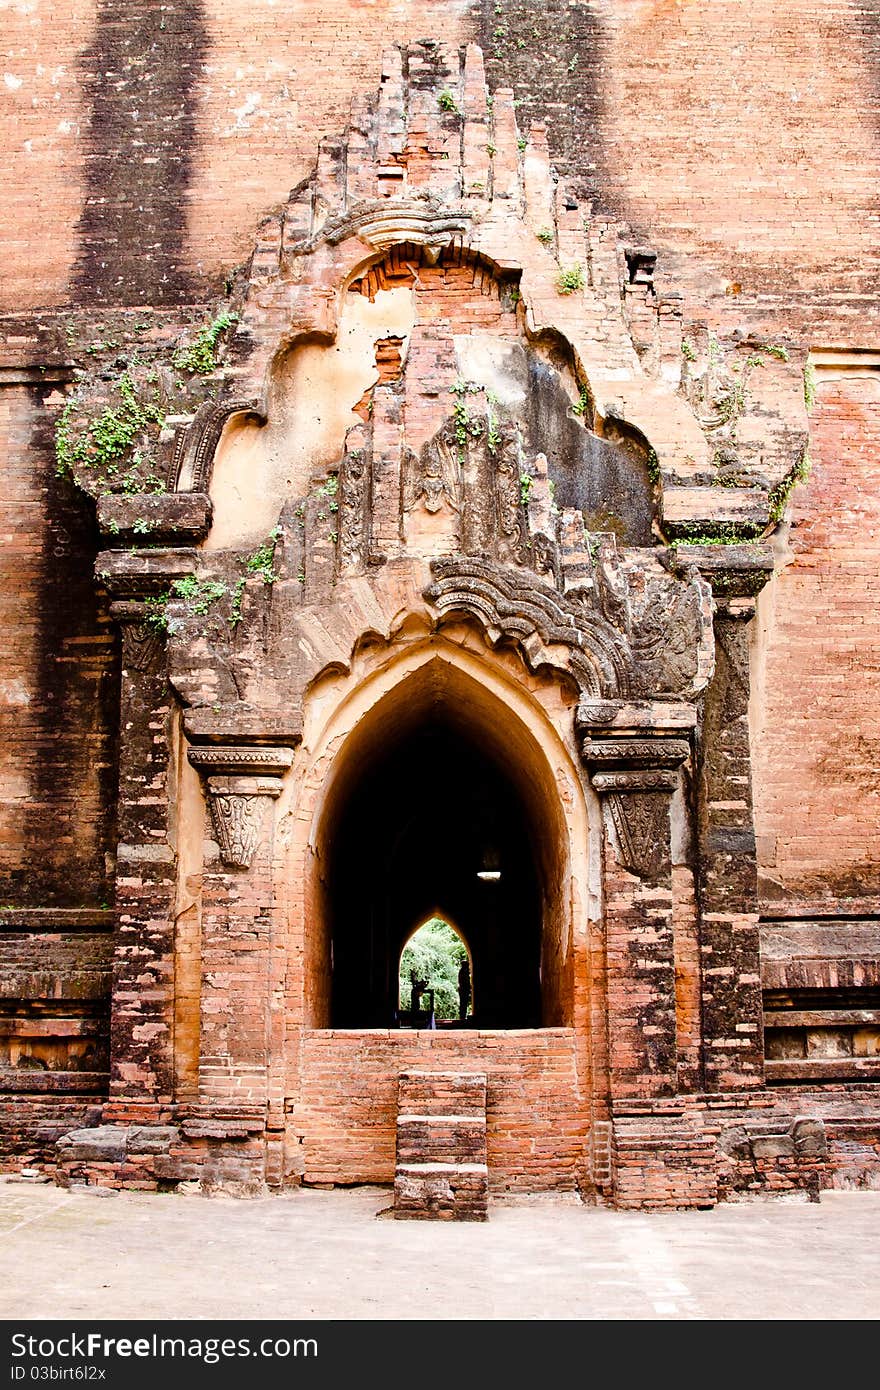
x=466, y=521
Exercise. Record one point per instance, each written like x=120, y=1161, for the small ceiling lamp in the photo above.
x=490, y=868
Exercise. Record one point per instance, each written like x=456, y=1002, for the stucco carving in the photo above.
x=238, y=800
x=663, y=646
x=636, y=778
x=142, y=647
x=238, y=805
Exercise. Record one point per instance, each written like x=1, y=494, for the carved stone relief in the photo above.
x=240, y=779
x=237, y=807
x=142, y=647
x=636, y=778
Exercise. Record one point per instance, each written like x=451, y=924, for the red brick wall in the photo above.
x=816, y=725
x=58, y=682
x=537, y=1120
x=743, y=136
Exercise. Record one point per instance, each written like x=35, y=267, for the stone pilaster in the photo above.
x=727, y=891
x=241, y=1031
x=142, y=1001
x=633, y=754
x=733, y=1044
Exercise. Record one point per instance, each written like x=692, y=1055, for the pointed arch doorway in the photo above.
x=435, y=819
x=435, y=976
x=443, y=801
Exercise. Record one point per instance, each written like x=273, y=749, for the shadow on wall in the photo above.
x=139, y=75
x=553, y=55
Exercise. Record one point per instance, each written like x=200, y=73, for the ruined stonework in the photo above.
x=434, y=567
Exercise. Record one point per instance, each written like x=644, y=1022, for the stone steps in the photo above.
x=441, y=1171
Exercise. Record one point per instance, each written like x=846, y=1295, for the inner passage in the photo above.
x=434, y=827
x=435, y=977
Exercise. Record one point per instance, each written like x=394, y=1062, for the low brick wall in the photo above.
x=537, y=1121
x=30, y=1127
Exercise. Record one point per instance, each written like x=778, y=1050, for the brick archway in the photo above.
x=542, y=1078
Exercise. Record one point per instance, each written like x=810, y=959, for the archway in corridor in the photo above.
x=435, y=959
x=443, y=803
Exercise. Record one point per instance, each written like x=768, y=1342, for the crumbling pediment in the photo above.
x=430, y=365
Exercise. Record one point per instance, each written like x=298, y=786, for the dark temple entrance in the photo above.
x=434, y=824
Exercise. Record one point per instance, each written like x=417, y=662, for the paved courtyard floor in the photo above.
x=330, y=1255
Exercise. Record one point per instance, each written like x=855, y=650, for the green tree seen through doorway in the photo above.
x=435, y=954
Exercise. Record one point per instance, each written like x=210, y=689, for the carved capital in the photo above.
x=634, y=753
x=240, y=779
x=635, y=780
x=237, y=759
x=636, y=777
x=142, y=647
x=142, y=641
x=640, y=815
x=237, y=808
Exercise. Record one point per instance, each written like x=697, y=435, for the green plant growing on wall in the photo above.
x=545, y=235
x=259, y=564
x=570, y=279
x=724, y=533
x=809, y=386
x=200, y=358
x=526, y=482
x=466, y=426
x=102, y=441
x=330, y=490
x=156, y=611
x=735, y=402
x=688, y=351
x=780, y=494
x=581, y=406
x=446, y=102
x=198, y=594
x=493, y=434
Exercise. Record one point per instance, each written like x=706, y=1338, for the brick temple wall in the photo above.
x=59, y=680
x=742, y=140
x=537, y=1122
x=816, y=716
x=749, y=159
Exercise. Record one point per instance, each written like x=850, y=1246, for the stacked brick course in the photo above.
x=600, y=602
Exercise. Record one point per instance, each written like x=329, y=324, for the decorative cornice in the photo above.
x=513, y=603
x=386, y=222
x=235, y=760
x=195, y=444
x=145, y=518
x=241, y=725
x=732, y=571
x=128, y=575
x=635, y=780
x=629, y=752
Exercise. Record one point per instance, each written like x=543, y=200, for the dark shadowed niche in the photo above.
x=68, y=822
x=139, y=74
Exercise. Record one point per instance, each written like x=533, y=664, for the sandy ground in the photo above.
x=331, y=1255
